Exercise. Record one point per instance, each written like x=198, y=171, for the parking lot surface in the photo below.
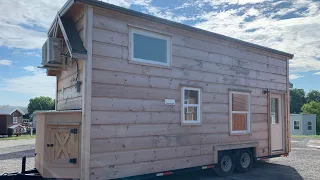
x=302, y=163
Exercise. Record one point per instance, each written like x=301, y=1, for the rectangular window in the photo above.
x=309, y=125
x=239, y=107
x=15, y=120
x=150, y=47
x=191, y=102
x=296, y=124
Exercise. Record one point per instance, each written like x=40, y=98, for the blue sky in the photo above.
x=289, y=25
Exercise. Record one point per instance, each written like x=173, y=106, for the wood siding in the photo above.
x=67, y=96
x=3, y=125
x=10, y=118
x=133, y=132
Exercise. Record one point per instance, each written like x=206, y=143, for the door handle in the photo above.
x=49, y=145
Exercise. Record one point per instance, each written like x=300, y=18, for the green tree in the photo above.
x=297, y=99
x=40, y=103
x=313, y=108
x=313, y=95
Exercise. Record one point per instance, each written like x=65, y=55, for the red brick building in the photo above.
x=9, y=116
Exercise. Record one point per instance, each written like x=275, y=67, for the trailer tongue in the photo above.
x=23, y=175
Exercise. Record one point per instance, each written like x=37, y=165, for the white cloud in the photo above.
x=24, y=24
x=317, y=73
x=33, y=69
x=294, y=76
x=34, y=53
x=239, y=2
x=253, y=12
x=299, y=36
x=37, y=83
x=5, y=62
x=18, y=20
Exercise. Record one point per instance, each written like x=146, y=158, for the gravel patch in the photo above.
x=11, y=153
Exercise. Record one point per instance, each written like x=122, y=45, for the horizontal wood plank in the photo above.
x=109, y=50
x=131, y=157
x=131, y=92
x=110, y=131
x=119, y=171
x=222, y=84
x=121, y=104
x=110, y=37
x=127, y=118
x=113, y=117
x=126, y=144
x=156, y=141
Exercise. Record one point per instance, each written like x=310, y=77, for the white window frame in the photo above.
x=15, y=120
x=296, y=125
x=153, y=34
x=240, y=112
x=309, y=126
x=183, y=121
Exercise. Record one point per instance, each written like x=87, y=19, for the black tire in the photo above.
x=244, y=161
x=226, y=164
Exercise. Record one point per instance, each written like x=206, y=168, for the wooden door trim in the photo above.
x=283, y=116
x=269, y=122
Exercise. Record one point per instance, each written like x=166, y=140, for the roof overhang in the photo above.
x=69, y=32
x=18, y=111
x=11, y=112
x=108, y=6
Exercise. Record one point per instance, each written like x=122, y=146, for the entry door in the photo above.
x=277, y=118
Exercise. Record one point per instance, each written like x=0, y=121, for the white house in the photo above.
x=303, y=124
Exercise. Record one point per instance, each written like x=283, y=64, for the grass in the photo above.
x=25, y=136
x=306, y=136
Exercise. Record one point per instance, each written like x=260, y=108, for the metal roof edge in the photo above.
x=179, y=25
x=19, y=110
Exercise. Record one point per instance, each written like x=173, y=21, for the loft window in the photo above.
x=309, y=125
x=296, y=124
x=150, y=47
x=239, y=112
x=191, y=104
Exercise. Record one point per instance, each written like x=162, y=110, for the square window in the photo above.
x=190, y=105
x=150, y=47
x=239, y=112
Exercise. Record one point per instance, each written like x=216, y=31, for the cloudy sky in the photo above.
x=289, y=25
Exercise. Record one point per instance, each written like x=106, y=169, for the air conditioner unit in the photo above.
x=51, y=52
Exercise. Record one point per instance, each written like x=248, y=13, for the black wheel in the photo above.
x=225, y=166
x=244, y=161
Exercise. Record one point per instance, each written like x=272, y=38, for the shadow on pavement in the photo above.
x=260, y=171
x=17, y=154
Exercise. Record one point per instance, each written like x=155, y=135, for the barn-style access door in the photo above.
x=277, y=123
x=63, y=146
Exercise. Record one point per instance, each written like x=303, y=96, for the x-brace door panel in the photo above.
x=63, y=145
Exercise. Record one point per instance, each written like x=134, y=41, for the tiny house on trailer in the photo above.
x=138, y=95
